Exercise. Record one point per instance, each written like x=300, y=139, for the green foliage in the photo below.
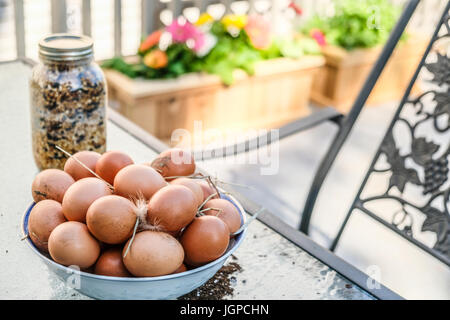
x=181, y=61
x=228, y=54
x=131, y=70
x=363, y=24
x=296, y=48
x=231, y=52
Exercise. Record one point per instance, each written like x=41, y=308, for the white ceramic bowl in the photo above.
x=163, y=287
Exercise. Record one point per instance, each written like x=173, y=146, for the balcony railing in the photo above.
x=154, y=12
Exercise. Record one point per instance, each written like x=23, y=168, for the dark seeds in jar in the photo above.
x=68, y=100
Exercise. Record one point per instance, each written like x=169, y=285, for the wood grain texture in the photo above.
x=277, y=93
x=340, y=80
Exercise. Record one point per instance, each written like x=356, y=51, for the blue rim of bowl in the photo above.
x=237, y=242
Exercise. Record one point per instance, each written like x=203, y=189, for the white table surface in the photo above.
x=272, y=267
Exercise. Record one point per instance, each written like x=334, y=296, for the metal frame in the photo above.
x=265, y=139
x=423, y=154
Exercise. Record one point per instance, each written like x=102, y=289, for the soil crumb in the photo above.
x=217, y=287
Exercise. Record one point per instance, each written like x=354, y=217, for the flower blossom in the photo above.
x=150, y=41
x=297, y=9
x=185, y=33
x=237, y=21
x=204, y=18
x=319, y=37
x=156, y=59
x=258, y=31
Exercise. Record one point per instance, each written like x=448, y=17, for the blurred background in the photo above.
x=406, y=270
x=38, y=19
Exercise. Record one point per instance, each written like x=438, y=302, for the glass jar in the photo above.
x=68, y=99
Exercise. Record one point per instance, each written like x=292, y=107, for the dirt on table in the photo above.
x=218, y=286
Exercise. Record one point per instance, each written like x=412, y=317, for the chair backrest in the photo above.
x=413, y=158
x=347, y=123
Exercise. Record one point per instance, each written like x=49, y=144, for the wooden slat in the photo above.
x=227, y=4
x=86, y=17
x=20, y=28
x=59, y=16
x=117, y=27
x=138, y=88
x=150, y=11
x=176, y=7
x=202, y=5
x=251, y=6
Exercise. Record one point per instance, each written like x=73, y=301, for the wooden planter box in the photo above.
x=278, y=92
x=341, y=79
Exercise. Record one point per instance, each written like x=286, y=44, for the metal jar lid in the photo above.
x=65, y=47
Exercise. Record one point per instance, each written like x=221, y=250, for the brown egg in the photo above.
x=172, y=208
x=76, y=170
x=137, y=179
x=204, y=240
x=207, y=189
x=228, y=214
x=181, y=269
x=70, y=243
x=51, y=184
x=152, y=254
x=111, y=219
x=110, y=163
x=174, y=162
x=111, y=264
x=44, y=217
x=193, y=186
x=81, y=195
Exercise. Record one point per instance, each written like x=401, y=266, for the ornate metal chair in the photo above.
x=424, y=165
x=417, y=172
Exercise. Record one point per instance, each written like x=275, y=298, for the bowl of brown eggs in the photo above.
x=113, y=229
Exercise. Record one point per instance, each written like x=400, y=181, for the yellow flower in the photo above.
x=156, y=59
x=204, y=19
x=235, y=21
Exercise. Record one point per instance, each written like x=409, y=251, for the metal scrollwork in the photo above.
x=423, y=164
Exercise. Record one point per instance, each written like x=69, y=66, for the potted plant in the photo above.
x=229, y=73
x=351, y=41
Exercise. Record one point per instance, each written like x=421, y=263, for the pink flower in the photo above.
x=258, y=30
x=319, y=37
x=199, y=41
x=183, y=32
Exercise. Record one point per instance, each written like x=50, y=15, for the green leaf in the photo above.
x=120, y=65
x=176, y=68
x=225, y=71
x=357, y=23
